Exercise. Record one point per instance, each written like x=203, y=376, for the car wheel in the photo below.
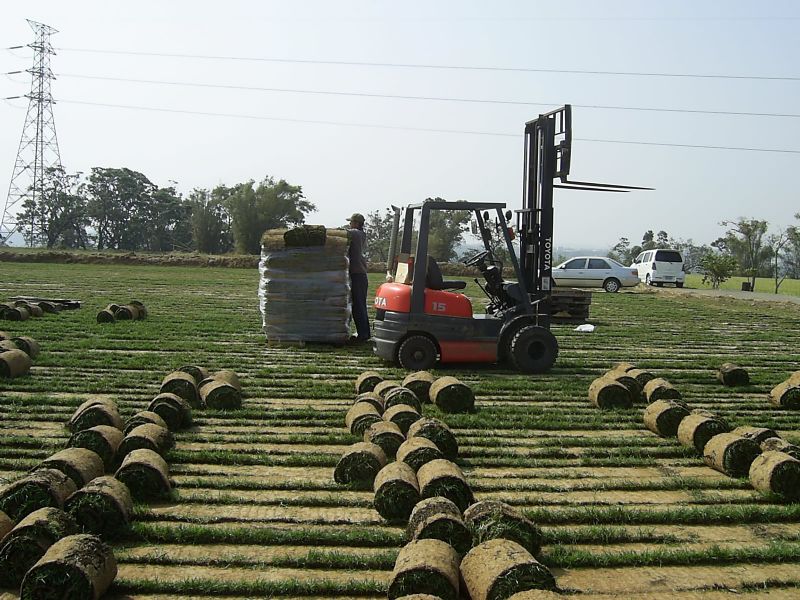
x=679, y=284
x=611, y=285
x=533, y=349
x=647, y=280
x=659, y=284
x=417, y=353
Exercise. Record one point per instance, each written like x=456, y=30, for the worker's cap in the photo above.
x=358, y=218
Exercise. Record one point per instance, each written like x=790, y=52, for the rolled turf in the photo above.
x=6, y=524
x=784, y=395
x=607, y=393
x=402, y=395
x=360, y=464
x=757, y=434
x=396, y=491
x=731, y=454
x=146, y=474
x=452, y=396
x=40, y=489
x=438, y=432
x=697, y=428
x=197, y=372
x=444, y=478
x=499, y=568
x=373, y=399
x=439, y=521
x=386, y=435
x=174, y=410
x=141, y=418
x=102, y=507
x=384, y=386
x=77, y=567
x=777, y=473
x=29, y=541
x=660, y=389
x=95, y=411
x=79, y=464
x=103, y=440
x=732, y=375
x=128, y=312
x=402, y=415
x=367, y=381
x=420, y=383
x=776, y=444
x=360, y=416
x=663, y=417
x=28, y=345
x=642, y=376
x=428, y=507
x=490, y=519
x=153, y=437
x=14, y=363
x=630, y=382
x=221, y=395
x=183, y=385
x=425, y=567
x=417, y=451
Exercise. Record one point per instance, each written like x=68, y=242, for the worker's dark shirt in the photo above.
x=358, y=241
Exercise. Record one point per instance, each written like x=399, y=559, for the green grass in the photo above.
x=790, y=287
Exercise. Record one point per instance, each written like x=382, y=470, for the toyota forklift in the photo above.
x=420, y=316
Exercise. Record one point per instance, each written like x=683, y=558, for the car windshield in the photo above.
x=668, y=256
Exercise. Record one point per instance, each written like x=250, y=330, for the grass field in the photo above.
x=790, y=287
x=256, y=513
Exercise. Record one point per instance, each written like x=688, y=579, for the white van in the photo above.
x=660, y=266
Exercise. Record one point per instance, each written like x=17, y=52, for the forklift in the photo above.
x=421, y=319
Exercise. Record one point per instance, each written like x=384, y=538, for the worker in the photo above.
x=358, y=277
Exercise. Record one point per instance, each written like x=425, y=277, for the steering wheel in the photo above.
x=471, y=262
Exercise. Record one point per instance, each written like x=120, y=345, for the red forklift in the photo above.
x=420, y=317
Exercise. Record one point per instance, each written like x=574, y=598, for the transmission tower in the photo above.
x=38, y=146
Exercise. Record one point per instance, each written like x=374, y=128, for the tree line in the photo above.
x=121, y=209
x=747, y=249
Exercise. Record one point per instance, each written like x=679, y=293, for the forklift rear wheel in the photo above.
x=417, y=353
x=611, y=285
x=533, y=349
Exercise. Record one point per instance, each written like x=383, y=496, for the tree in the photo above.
x=378, y=228
x=210, y=222
x=791, y=251
x=270, y=205
x=745, y=241
x=118, y=207
x=776, y=243
x=621, y=251
x=692, y=253
x=662, y=239
x=447, y=228
x=648, y=240
x=718, y=267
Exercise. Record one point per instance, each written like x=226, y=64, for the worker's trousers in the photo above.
x=358, y=294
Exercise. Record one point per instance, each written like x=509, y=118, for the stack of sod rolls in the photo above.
x=304, y=287
x=22, y=310
x=786, y=394
x=133, y=311
x=16, y=355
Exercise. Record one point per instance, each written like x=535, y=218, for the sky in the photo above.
x=381, y=157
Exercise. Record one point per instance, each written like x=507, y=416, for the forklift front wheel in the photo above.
x=417, y=353
x=533, y=349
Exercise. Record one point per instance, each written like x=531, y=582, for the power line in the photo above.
x=427, y=98
x=431, y=66
x=420, y=129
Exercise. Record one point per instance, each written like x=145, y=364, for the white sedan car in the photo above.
x=595, y=271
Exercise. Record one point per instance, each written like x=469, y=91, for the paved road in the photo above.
x=758, y=296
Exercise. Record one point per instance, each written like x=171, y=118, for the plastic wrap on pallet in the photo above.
x=304, y=294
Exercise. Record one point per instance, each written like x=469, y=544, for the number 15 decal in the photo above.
x=439, y=307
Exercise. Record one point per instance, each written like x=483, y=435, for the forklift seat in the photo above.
x=434, y=280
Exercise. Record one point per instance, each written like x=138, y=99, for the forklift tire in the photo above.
x=417, y=353
x=533, y=349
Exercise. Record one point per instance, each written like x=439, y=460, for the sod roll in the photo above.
x=420, y=383
x=229, y=377
x=623, y=366
x=664, y=417
x=221, y=395
x=371, y=398
x=14, y=363
x=757, y=434
x=500, y=568
x=81, y=564
x=105, y=316
x=102, y=507
x=537, y=595
x=446, y=526
x=6, y=345
x=444, y=478
x=173, y=410
x=419, y=597
x=641, y=376
x=49, y=307
x=776, y=444
x=629, y=381
x=29, y=541
x=16, y=313
x=6, y=524
x=79, y=464
x=384, y=386
x=732, y=375
x=142, y=308
x=360, y=464
x=183, y=385
x=103, y=440
x=367, y=381
x=305, y=235
x=40, y=489
x=452, y=396
x=606, y=393
x=428, y=507
x=385, y=434
x=777, y=473
x=360, y=416
x=146, y=474
x=197, y=372
x=95, y=411
x=490, y=520
x=128, y=312
x=417, y=451
x=439, y=433
x=28, y=345
x=4, y=335
x=660, y=389
x=425, y=567
x=696, y=429
x=141, y=418
x=402, y=415
x=402, y=395
x=783, y=395
x=153, y=437
x=396, y=491
x=731, y=454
